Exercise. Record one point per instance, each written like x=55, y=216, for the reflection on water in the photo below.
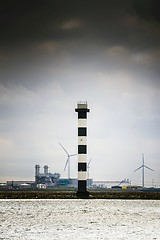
x=79, y=219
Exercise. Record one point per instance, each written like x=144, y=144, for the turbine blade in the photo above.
x=143, y=159
x=73, y=155
x=149, y=168
x=138, y=168
x=64, y=149
x=66, y=164
x=89, y=162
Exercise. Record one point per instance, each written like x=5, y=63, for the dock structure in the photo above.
x=82, y=110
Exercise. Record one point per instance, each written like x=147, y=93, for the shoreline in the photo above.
x=33, y=194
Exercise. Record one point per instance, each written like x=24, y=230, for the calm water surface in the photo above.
x=79, y=219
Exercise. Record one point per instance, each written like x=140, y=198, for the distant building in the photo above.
x=65, y=182
x=20, y=184
x=111, y=184
x=3, y=185
x=72, y=182
x=45, y=179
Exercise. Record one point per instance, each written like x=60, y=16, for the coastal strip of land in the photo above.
x=72, y=195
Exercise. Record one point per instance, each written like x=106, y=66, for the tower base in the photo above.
x=84, y=194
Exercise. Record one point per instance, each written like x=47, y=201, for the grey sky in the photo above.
x=55, y=53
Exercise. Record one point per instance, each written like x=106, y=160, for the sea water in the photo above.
x=79, y=219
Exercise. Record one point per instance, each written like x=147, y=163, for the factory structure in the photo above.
x=45, y=179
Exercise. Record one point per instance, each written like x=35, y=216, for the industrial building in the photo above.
x=20, y=184
x=72, y=182
x=45, y=179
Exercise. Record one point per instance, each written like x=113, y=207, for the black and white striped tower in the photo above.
x=82, y=110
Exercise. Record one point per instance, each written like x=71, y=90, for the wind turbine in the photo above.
x=143, y=166
x=68, y=160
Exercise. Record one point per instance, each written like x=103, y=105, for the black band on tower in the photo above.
x=82, y=115
x=82, y=166
x=82, y=131
x=82, y=149
x=82, y=184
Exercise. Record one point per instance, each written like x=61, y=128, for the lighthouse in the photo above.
x=82, y=110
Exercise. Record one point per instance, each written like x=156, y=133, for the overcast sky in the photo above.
x=55, y=53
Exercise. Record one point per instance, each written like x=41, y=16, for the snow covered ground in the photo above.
x=79, y=219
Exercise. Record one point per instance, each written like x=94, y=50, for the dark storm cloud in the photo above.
x=109, y=22
x=63, y=34
x=29, y=21
x=146, y=9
